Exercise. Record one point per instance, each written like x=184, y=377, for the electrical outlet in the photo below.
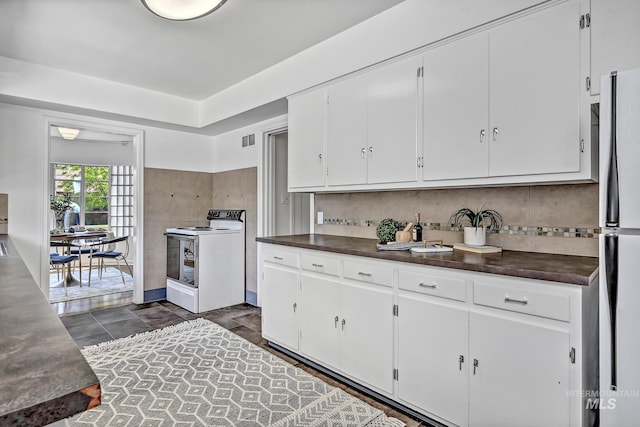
x=320, y=218
x=284, y=198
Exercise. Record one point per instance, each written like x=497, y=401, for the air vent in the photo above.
x=249, y=140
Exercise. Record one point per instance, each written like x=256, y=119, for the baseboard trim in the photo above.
x=152, y=295
x=251, y=298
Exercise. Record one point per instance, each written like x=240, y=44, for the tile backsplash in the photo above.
x=545, y=218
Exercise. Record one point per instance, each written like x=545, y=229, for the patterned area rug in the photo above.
x=110, y=283
x=197, y=373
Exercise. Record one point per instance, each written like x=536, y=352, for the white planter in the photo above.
x=475, y=236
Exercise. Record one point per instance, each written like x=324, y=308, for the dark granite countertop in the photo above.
x=576, y=270
x=43, y=375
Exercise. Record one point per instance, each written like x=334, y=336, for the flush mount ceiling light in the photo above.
x=182, y=10
x=68, y=133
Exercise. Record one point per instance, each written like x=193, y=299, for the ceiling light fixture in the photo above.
x=182, y=10
x=68, y=133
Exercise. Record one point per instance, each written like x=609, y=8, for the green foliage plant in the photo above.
x=466, y=217
x=386, y=230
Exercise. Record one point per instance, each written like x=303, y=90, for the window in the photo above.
x=102, y=196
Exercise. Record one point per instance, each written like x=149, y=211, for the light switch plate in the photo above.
x=320, y=218
x=284, y=198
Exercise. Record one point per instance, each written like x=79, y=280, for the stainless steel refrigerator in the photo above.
x=619, y=397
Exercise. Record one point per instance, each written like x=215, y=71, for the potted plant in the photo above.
x=59, y=205
x=386, y=230
x=476, y=223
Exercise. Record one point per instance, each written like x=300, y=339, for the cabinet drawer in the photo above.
x=369, y=272
x=429, y=284
x=523, y=300
x=278, y=256
x=320, y=264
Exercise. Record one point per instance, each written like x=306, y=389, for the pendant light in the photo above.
x=182, y=10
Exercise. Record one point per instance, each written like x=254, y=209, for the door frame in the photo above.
x=138, y=177
x=266, y=221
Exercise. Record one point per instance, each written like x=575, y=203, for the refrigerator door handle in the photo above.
x=611, y=277
x=613, y=193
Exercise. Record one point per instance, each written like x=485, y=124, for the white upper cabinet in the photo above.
x=372, y=126
x=306, y=166
x=615, y=38
x=392, y=103
x=347, y=132
x=534, y=101
x=456, y=110
x=505, y=104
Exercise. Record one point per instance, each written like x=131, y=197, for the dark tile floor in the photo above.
x=104, y=320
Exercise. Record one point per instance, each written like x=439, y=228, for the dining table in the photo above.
x=67, y=240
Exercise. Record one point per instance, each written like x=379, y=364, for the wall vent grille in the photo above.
x=249, y=140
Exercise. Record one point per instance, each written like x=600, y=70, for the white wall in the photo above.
x=23, y=142
x=22, y=176
x=228, y=153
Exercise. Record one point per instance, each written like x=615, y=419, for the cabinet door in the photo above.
x=432, y=339
x=347, y=132
x=456, y=110
x=366, y=351
x=392, y=102
x=522, y=377
x=615, y=38
x=306, y=140
x=319, y=301
x=535, y=94
x=279, y=305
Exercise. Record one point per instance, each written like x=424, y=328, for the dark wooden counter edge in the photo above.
x=43, y=375
x=575, y=270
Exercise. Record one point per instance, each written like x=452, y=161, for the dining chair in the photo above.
x=108, y=251
x=63, y=261
x=84, y=247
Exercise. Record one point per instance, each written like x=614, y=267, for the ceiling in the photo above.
x=121, y=41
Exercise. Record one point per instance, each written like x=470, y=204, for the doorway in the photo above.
x=288, y=213
x=96, y=167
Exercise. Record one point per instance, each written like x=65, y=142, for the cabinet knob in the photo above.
x=335, y=322
x=295, y=305
x=482, y=134
x=344, y=322
x=460, y=362
x=475, y=365
x=363, y=152
x=320, y=156
x=495, y=133
x=371, y=151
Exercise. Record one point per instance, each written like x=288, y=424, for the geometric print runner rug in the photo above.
x=197, y=374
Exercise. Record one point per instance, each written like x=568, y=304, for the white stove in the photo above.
x=220, y=221
x=206, y=265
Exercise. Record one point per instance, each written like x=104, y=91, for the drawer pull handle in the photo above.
x=295, y=305
x=317, y=265
x=278, y=258
x=364, y=274
x=475, y=365
x=335, y=322
x=343, y=323
x=431, y=286
x=516, y=301
x=460, y=362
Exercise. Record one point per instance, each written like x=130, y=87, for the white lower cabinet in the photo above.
x=348, y=328
x=519, y=373
x=461, y=348
x=433, y=342
x=280, y=305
